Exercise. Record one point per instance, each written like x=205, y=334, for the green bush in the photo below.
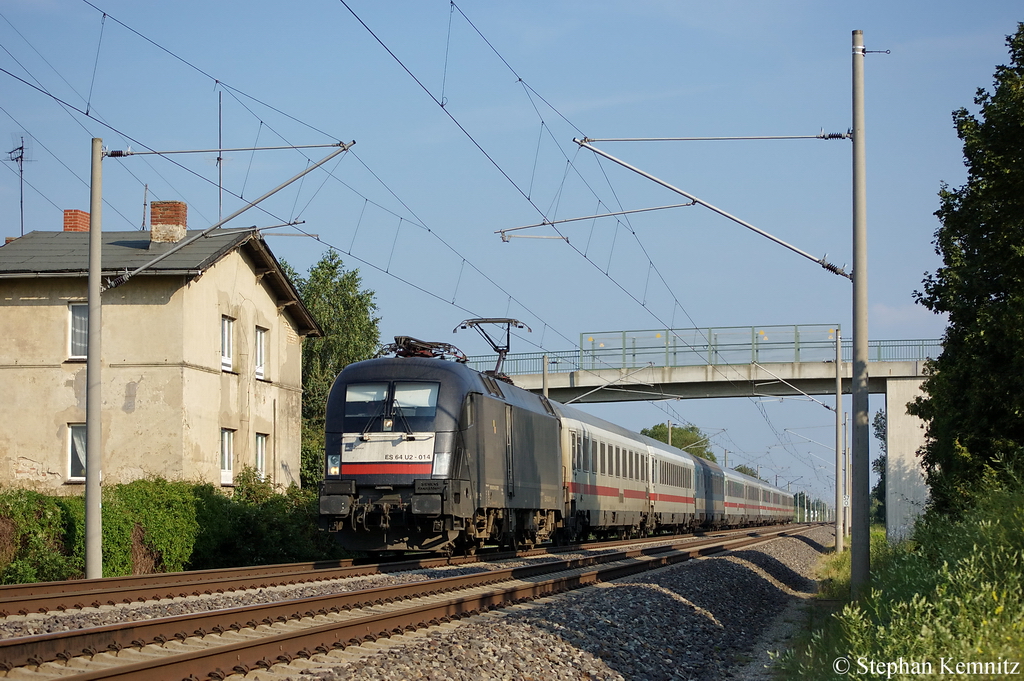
x=148, y=526
x=155, y=525
x=33, y=532
x=259, y=527
x=954, y=591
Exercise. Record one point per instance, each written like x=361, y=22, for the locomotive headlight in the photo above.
x=334, y=464
x=442, y=461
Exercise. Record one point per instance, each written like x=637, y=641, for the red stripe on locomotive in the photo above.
x=386, y=468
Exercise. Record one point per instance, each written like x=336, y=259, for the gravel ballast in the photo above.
x=697, y=620
x=709, y=618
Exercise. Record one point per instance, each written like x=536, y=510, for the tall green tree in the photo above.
x=346, y=313
x=689, y=438
x=974, y=393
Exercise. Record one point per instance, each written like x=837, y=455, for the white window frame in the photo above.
x=78, y=428
x=81, y=307
x=261, y=352
x=227, y=342
x=261, y=454
x=227, y=456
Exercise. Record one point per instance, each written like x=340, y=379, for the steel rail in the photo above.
x=36, y=650
x=57, y=596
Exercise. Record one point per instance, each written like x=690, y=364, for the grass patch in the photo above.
x=952, y=593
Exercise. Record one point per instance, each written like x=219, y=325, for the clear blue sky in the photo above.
x=416, y=203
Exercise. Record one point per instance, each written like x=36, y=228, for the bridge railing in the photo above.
x=701, y=347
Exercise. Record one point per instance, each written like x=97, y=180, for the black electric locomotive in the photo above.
x=425, y=454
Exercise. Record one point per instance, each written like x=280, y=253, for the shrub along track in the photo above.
x=237, y=640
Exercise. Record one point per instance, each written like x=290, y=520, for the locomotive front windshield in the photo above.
x=399, y=406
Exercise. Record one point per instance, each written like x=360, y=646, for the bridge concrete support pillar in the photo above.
x=905, y=489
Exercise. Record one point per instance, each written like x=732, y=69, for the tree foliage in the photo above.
x=345, y=312
x=974, y=392
x=880, y=426
x=747, y=470
x=689, y=438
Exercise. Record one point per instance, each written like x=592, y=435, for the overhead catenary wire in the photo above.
x=529, y=90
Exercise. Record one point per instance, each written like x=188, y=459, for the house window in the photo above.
x=227, y=456
x=227, y=326
x=76, y=452
x=79, y=336
x=261, y=352
x=261, y=454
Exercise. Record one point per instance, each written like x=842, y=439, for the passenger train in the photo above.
x=426, y=454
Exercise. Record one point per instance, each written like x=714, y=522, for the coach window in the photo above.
x=618, y=463
x=575, y=451
x=603, y=468
x=585, y=454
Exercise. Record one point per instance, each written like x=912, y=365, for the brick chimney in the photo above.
x=76, y=220
x=167, y=221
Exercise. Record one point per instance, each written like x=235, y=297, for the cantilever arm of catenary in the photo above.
x=834, y=269
x=117, y=281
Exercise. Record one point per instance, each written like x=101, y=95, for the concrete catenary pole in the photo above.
x=94, y=392
x=860, y=541
x=848, y=479
x=840, y=475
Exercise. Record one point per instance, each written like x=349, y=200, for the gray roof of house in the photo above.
x=57, y=253
x=66, y=254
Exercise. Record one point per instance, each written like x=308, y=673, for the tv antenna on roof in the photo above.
x=17, y=155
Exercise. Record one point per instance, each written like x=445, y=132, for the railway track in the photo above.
x=23, y=599
x=217, y=644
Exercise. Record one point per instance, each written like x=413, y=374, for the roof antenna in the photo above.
x=145, y=204
x=17, y=155
x=502, y=350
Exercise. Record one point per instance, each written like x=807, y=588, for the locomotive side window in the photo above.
x=365, y=399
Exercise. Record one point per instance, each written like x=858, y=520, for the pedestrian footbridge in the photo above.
x=749, y=361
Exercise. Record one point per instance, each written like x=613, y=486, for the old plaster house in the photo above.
x=201, y=356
